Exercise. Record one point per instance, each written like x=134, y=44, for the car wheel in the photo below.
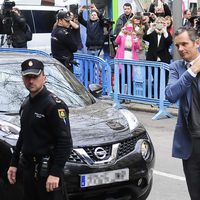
x=144, y=197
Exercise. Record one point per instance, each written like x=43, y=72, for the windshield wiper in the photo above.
x=6, y=112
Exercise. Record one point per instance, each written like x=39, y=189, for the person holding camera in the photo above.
x=159, y=41
x=75, y=26
x=160, y=8
x=128, y=44
x=63, y=44
x=20, y=31
x=95, y=29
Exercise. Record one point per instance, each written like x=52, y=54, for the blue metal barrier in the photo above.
x=140, y=81
x=145, y=83
x=24, y=50
x=93, y=69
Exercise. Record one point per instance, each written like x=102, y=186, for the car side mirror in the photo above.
x=95, y=90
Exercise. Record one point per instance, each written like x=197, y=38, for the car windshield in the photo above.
x=59, y=81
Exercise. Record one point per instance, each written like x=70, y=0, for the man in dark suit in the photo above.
x=184, y=85
x=186, y=18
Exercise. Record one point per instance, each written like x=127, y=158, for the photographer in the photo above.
x=160, y=8
x=18, y=29
x=95, y=29
x=159, y=41
x=75, y=26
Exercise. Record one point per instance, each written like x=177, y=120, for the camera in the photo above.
x=108, y=23
x=159, y=26
x=6, y=8
x=86, y=7
x=198, y=25
x=146, y=14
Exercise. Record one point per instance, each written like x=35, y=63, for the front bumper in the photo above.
x=139, y=183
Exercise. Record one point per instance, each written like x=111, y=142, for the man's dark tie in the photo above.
x=186, y=22
x=187, y=65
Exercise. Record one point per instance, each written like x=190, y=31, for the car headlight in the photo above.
x=131, y=119
x=11, y=130
x=145, y=149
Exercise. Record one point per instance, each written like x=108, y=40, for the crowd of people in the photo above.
x=146, y=36
x=152, y=30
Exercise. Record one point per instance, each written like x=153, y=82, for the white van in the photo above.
x=40, y=19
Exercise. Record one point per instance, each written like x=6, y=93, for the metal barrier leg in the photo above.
x=116, y=103
x=160, y=114
x=162, y=109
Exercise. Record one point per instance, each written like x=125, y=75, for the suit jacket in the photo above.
x=186, y=22
x=179, y=88
x=161, y=51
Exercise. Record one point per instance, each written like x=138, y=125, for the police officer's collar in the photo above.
x=39, y=95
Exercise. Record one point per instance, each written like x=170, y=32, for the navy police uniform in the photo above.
x=45, y=134
x=63, y=44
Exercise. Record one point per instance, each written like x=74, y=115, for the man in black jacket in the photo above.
x=62, y=41
x=123, y=18
x=95, y=29
x=19, y=28
x=44, y=138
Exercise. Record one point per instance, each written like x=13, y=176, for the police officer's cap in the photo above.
x=64, y=15
x=32, y=67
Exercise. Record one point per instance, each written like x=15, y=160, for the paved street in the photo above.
x=169, y=182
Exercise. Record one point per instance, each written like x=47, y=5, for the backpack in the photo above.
x=28, y=33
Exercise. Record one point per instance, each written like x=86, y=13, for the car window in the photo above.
x=40, y=21
x=59, y=81
x=11, y=89
x=29, y=19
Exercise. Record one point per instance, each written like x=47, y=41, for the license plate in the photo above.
x=100, y=178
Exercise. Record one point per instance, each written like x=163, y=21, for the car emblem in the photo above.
x=100, y=153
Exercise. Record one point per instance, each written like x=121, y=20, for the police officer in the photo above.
x=44, y=138
x=63, y=44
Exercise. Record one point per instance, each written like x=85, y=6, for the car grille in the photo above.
x=126, y=146
x=75, y=158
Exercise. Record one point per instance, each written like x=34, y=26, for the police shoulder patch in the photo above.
x=62, y=113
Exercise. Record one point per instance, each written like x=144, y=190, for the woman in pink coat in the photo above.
x=128, y=43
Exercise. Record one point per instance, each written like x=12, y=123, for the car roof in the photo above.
x=11, y=55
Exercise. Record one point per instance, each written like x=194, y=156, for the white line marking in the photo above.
x=180, y=178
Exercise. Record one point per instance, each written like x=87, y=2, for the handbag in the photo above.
x=28, y=33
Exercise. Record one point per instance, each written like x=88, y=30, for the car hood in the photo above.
x=100, y=123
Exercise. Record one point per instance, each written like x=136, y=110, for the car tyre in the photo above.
x=144, y=197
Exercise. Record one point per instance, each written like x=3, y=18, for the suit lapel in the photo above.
x=188, y=98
